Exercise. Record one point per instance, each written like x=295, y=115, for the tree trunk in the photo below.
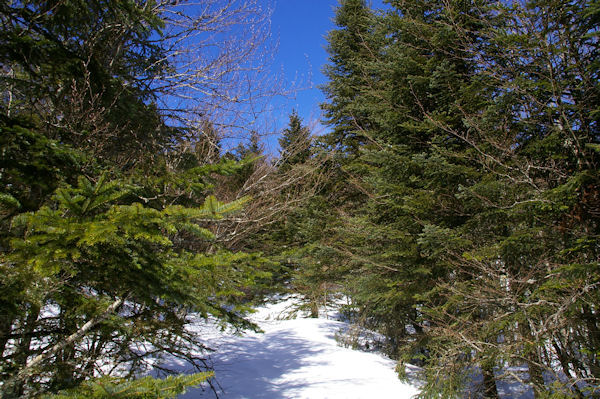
x=6, y=324
x=562, y=358
x=533, y=357
x=490, y=390
x=27, y=369
x=314, y=308
x=15, y=388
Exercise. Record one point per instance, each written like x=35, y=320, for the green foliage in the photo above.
x=110, y=222
x=8, y=202
x=465, y=129
x=295, y=143
x=91, y=244
x=143, y=388
x=33, y=166
x=87, y=66
x=88, y=247
x=350, y=73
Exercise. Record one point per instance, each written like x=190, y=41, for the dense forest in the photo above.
x=454, y=201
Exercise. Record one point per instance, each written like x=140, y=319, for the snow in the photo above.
x=296, y=358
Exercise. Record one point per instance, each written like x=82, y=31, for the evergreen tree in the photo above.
x=352, y=48
x=523, y=254
x=144, y=388
x=85, y=69
x=295, y=143
x=405, y=166
x=251, y=162
x=476, y=152
x=252, y=149
x=109, y=219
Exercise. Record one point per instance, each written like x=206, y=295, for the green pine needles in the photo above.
x=142, y=388
x=113, y=227
x=467, y=137
x=90, y=247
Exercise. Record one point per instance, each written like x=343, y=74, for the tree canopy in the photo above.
x=470, y=130
x=110, y=223
x=454, y=200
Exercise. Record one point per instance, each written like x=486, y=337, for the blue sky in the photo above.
x=301, y=27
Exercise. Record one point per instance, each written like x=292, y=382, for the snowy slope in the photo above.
x=297, y=358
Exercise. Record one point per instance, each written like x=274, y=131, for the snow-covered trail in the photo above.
x=298, y=358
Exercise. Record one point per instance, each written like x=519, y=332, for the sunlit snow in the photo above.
x=297, y=358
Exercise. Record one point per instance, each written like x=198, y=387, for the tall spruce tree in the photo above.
x=478, y=155
x=406, y=166
x=352, y=48
x=295, y=143
x=526, y=258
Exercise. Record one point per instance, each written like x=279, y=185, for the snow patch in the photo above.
x=295, y=357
